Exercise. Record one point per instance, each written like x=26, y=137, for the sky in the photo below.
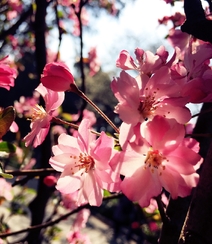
x=137, y=26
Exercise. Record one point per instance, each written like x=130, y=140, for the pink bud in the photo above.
x=50, y=180
x=57, y=77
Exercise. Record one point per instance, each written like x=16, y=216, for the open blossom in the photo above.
x=140, y=100
x=146, y=62
x=194, y=74
x=162, y=159
x=40, y=117
x=57, y=77
x=7, y=75
x=84, y=164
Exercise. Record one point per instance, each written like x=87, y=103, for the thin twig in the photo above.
x=163, y=215
x=56, y=221
x=31, y=172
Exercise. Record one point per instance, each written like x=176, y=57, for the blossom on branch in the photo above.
x=41, y=118
x=84, y=164
x=163, y=158
x=142, y=98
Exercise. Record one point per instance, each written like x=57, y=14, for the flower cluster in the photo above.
x=155, y=153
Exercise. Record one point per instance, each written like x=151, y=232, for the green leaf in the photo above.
x=7, y=147
x=3, y=174
x=7, y=116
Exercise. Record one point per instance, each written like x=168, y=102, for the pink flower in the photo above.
x=50, y=180
x=7, y=75
x=163, y=158
x=5, y=190
x=84, y=18
x=153, y=204
x=177, y=38
x=196, y=59
x=41, y=117
x=81, y=219
x=75, y=237
x=14, y=127
x=140, y=100
x=93, y=61
x=194, y=74
x=24, y=105
x=69, y=201
x=147, y=62
x=57, y=77
x=84, y=163
x=177, y=19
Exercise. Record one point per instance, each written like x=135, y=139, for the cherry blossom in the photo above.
x=163, y=158
x=41, y=118
x=84, y=164
x=75, y=235
x=7, y=75
x=140, y=100
x=147, y=62
x=24, y=105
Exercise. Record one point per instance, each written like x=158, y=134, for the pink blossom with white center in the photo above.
x=84, y=164
x=41, y=118
x=140, y=100
x=7, y=75
x=162, y=159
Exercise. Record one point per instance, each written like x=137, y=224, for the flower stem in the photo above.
x=73, y=88
x=76, y=127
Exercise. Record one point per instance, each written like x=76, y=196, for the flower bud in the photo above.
x=57, y=77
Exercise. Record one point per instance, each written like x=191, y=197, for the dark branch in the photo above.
x=196, y=23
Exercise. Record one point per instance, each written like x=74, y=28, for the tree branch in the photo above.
x=57, y=220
